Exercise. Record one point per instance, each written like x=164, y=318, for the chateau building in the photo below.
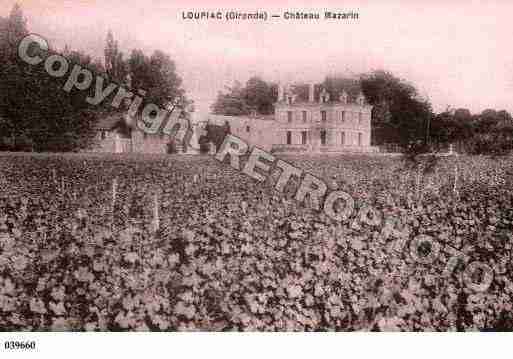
x=319, y=124
x=322, y=123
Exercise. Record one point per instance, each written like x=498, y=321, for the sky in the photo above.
x=457, y=53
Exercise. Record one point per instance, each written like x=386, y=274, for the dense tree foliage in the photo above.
x=231, y=103
x=37, y=114
x=114, y=62
x=256, y=96
x=157, y=76
x=490, y=132
x=399, y=115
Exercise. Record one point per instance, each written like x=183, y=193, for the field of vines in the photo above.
x=184, y=243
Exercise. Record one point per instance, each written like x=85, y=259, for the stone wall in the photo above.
x=149, y=143
x=253, y=130
x=112, y=142
x=104, y=142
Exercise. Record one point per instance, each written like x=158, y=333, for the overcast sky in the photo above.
x=459, y=54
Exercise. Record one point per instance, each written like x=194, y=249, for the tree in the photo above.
x=166, y=84
x=260, y=96
x=492, y=133
x=16, y=26
x=399, y=113
x=450, y=127
x=12, y=30
x=157, y=76
x=257, y=95
x=36, y=114
x=114, y=63
x=232, y=103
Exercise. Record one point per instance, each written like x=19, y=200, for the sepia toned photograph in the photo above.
x=189, y=166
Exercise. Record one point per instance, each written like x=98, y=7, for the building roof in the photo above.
x=222, y=119
x=331, y=103
x=335, y=88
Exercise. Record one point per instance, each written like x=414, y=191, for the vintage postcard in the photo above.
x=194, y=166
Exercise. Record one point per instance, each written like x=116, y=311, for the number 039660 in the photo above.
x=19, y=345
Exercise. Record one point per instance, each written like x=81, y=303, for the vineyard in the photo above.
x=142, y=242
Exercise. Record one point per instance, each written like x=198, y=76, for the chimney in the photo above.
x=343, y=97
x=311, y=93
x=280, y=92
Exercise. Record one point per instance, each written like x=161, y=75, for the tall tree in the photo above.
x=257, y=95
x=16, y=25
x=260, y=96
x=13, y=29
x=114, y=64
x=157, y=76
x=399, y=114
x=232, y=103
x=35, y=113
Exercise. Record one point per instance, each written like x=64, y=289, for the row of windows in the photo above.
x=324, y=98
x=103, y=135
x=342, y=116
x=304, y=138
x=242, y=129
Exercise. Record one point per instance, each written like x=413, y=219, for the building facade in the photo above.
x=322, y=124
x=259, y=131
x=113, y=135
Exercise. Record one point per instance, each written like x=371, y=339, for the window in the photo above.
x=289, y=138
x=289, y=116
x=342, y=138
x=304, y=116
x=342, y=116
x=303, y=137
x=247, y=128
x=323, y=137
x=359, y=139
x=289, y=100
x=323, y=116
x=360, y=118
x=103, y=135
